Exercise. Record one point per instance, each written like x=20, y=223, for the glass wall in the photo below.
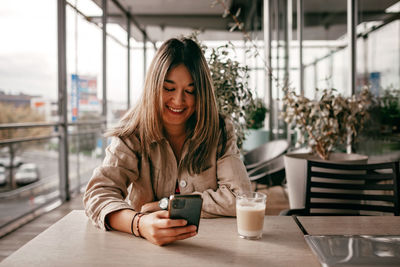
x=380, y=56
x=326, y=60
x=29, y=152
x=29, y=176
x=378, y=66
x=84, y=87
x=377, y=48
x=326, y=56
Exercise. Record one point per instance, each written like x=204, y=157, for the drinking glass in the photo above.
x=250, y=213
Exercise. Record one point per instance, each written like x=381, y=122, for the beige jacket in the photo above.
x=128, y=180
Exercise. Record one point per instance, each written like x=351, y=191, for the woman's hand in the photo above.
x=159, y=229
x=150, y=207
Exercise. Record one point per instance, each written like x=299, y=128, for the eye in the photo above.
x=190, y=92
x=169, y=90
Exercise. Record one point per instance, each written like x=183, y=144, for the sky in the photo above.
x=28, y=50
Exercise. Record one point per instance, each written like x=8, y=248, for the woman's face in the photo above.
x=178, y=97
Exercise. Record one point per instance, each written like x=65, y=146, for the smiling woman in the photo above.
x=172, y=141
x=178, y=98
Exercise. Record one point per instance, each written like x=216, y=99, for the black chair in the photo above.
x=265, y=153
x=270, y=173
x=344, y=189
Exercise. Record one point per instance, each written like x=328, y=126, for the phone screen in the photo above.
x=186, y=207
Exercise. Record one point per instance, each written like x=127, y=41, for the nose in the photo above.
x=179, y=97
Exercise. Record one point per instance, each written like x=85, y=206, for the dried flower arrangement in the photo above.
x=327, y=122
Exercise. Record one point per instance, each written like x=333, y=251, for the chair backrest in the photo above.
x=270, y=173
x=265, y=153
x=344, y=189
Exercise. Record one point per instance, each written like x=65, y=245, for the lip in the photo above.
x=175, y=110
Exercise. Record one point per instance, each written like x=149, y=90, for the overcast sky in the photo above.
x=28, y=56
x=28, y=50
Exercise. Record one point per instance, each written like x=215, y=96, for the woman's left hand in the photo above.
x=150, y=207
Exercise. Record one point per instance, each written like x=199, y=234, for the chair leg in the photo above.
x=284, y=190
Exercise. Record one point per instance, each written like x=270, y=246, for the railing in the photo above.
x=8, y=126
x=47, y=192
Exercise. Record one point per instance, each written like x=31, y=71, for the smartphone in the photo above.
x=186, y=207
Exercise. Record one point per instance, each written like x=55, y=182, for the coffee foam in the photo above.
x=250, y=206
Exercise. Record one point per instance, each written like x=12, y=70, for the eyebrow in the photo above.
x=169, y=81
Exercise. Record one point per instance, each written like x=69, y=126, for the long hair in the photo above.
x=145, y=118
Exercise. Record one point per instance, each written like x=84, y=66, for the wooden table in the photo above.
x=74, y=241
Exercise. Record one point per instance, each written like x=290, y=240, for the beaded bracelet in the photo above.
x=137, y=224
x=133, y=219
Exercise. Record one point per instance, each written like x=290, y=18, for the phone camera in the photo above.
x=179, y=204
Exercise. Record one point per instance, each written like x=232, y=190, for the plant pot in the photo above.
x=255, y=138
x=296, y=172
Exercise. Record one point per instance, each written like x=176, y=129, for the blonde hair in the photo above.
x=145, y=121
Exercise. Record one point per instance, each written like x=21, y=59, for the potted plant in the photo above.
x=381, y=130
x=255, y=118
x=323, y=125
x=389, y=111
x=230, y=79
x=233, y=95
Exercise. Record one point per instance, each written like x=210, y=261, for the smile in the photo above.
x=176, y=110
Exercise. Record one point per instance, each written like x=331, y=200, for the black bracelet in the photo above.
x=133, y=219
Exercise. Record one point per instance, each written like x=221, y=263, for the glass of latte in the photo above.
x=250, y=212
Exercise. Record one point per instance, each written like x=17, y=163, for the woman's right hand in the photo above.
x=159, y=229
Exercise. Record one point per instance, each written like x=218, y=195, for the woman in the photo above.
x=173, y=141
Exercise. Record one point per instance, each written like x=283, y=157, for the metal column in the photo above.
x=78, y=167
x=104, y=70
x=267, y=28
x=288, y=18
x=365, y=56
x=352, y=10
x=277, y=38
x=62, y=100
x=104, y=22
x=287, y=14
x=300, y=26
x=128, y=29
x=144, y=55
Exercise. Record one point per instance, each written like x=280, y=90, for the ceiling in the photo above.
x=162, y=19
